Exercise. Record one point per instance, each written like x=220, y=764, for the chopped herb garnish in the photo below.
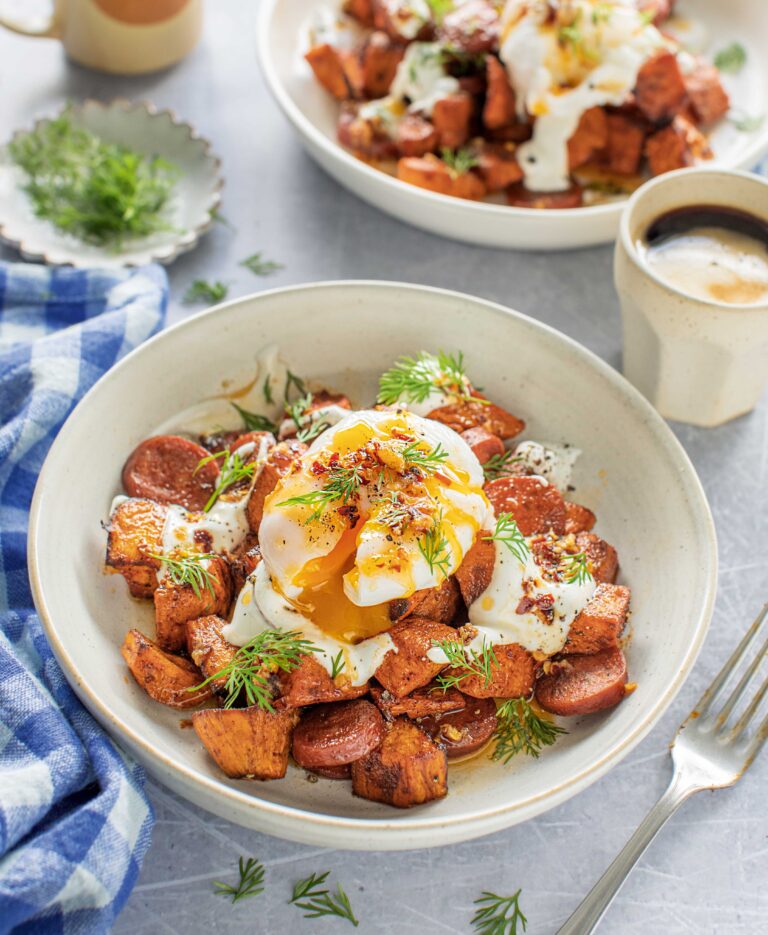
x=520, y=730
x=459, y=161
x=468, y=663
x=259, y=266
x=745, y=123
x=337, y=664
x=232, y=470
x=499, y=915
x=307, y=428
x=412, y=379
x=440, y=9
x=250, y=882
x=508, y=532
x=731, y=59
x=188, y=570
x=435, y=549
x=602, y=13
x=100, y=192
x=266, y=389
x=255, y=422
x=576, y=568
x=203, y=291
x=343, y=483
x=291, y=380
x=249, y=668
x=427, y=460
x=496, y=466
x=316, y=901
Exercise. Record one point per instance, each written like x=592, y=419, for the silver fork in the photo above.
x=707, y=753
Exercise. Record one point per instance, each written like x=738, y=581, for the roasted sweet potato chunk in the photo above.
x=432, y=173
x=498, y=166
x=311, y=684
x=175, y=604
x=660, y=91
x=472, y=27
x=500, y=108
x=416, y=136
x=590, y=136
x=708, y=98
x=134, y=536
x=410, y=668
x=474, y=413
x=247, y=743
x=380, y=59
x=512, y=675
x=164, y=677
x=603, y=559
x=328, y=65
x=432, y=699
x=599, y=625
x=402, y=19
x=675, y=147
x=407, y=769
x=583, y=684
x=578, y=518
x=476, y=570
x=534, y=505
x=624, y=144
x=279, y=462
x=440, y=603
x=361, y=10
x=451, y=117
x=209, y=650
x=484, y=444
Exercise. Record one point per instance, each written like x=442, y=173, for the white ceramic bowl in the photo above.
x=282, y=40
x=140, y=126
x=633, y=473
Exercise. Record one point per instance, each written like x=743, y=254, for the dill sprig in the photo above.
x=576, y=568
x=202, y=290
x=459, y=161
x=428, y=460
x=469, y=662
x=434, y=547
x=499, y=915
x=412, y=379
x=520, y=730
x=232, y=470
x=266, y=389
x=248, y=669
x=255, y=422
x=317, y=901
x=250, y=883
x=291, y=380
x=343, y=484
x=395, y=512
x=508, y=532
x=496, y=466
x=440, y=9
x=307, y=428
x=731, y=59
x=187, y=570
x=338, y=664
x=100, y=192
x=259, y=266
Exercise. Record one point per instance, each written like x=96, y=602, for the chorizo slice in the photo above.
x=309, y=683
x=472, y=27
x=583, y=684
x=500, y=109
x=603, y=558
x=407, y=769
x=279, y=462
x=432, y=699
x=590, y=136
x=416, y=136
x=512, y=675
x=409, y=667
x=333, y=772
x=337, y=734
x=380, y=58
x=599, y=625
x=521, y=197
x=484, y=444
x=463, y=732
x=247, y=743
x=498, y=166
x=578, y=518
x=134, y=538
x=208, y=649
x=440, y=603
x=660, y=91
x=260, y=440
x=175, y=604
x=471, y=413
x=165, y=678
x=165, y=469
x=708, y=98
x=476, y=569
x=534, y=505
x=433, y=174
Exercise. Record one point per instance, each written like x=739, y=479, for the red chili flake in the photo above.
x=204, y=538
x=524, y=605
x=318, y=468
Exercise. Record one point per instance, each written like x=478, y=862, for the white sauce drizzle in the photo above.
x=329, y=414
x=408, y=17
x=422, y=79
x=553, y=462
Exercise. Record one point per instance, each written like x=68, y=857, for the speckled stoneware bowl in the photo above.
x=140, y=126
x=633, y=473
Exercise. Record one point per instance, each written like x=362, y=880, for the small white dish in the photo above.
x=141, y=126
x=697, y=360
x=282, y=38
x=633, y=472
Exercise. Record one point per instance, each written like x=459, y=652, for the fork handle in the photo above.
x=585, y=919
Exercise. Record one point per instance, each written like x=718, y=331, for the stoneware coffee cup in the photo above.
x=697, y=360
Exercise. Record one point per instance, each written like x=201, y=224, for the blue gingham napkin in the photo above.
x=74, y=820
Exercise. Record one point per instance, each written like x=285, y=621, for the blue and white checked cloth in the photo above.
x=74, y=820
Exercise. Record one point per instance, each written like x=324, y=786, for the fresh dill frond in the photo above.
x=428, y=460
x=102, y=193
x=440, y=9
x=731, y=59
x=342, y=485
x=576, y=568
x=231, y=471
x=412, y=379
x=459, y=161
x=311, y=896
x=520, y=730
x=188, y=570
x=338, y=664
x=746, y=123
x=248, y=670
x=496, y=466
x=499, y=915
x=250, y=883
x=259, y=266
x=508, y=532
x=467, y=662
x=601, y=13
x=435, y=549
x=307, y=427
x=255, y=422
x=202, y=290
x=291, y=380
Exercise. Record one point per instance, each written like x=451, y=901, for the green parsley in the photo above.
x=731, y=59
x=520, y=730
x=202, y=290
x=250, y=883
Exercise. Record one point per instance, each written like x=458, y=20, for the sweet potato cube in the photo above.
x=410, y=668
x=440, y=603
x=578, y=518
x=590, y=136
x=512, y=676
x=708, y=98
x=603, y=558
x=209, y=650
x=430, y=700
x=500, y=108
x=380, y=59
x=311, y=684
x=433, y=174
x=361, y=10
x=279, y=462
x=164, y=677
x=599, y=625
x=451, y=117
x=416, y=136
x=676, y=146
x=175, y=604
x=624, y=144
x=406, y=769
x=134, y=536
x=660, y=91
x=328, y=65
x=534, y=505
x=476, y=569
x=498, y=166
x=247, y=743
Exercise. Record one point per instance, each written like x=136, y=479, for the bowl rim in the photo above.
x=396, y=832
x=751, y=154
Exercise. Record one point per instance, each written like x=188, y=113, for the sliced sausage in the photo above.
x=416, y=136
x=598, y=626
x=472, y=27
x=471, y=413
x=583, y=684
x=367, y=138
x=476, y=569
x=164, y=469
x=432, y=699
x=337, y=734
x=279, y=462
x=535, y=506
x=521, y=197
x=333, y=772
x=578, y=518
x=463, y=732
x=484, y=444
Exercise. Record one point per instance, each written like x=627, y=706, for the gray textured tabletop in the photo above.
x=706, y=872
